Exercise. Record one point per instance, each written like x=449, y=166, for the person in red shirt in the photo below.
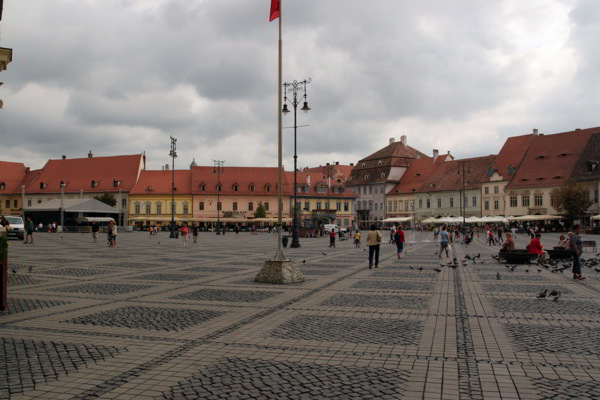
x=332, y=238
x=399, y=239
x=536, y=247
x=184, y=234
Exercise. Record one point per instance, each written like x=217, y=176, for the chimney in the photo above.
x=535, y=131
x=166, y=167
x=403, y=140
x=90, y=155
x=327, y=164
x=308, y=180
x=64, y=157
x=436, y=154
x=577, y=129
x=392, y=140
x=352, y=164
x=27, y=170
x=337, y=163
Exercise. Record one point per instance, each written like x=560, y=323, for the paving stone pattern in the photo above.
x=256, y=379
x=152, y=319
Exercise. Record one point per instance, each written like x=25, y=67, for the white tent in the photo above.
x=429, y=220
x=545, y=217
x=596, y=217
x=397, y=219
x=74, y=206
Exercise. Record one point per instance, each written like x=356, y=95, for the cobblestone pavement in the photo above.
x=152, y=319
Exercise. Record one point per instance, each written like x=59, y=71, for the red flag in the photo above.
x=274, y=10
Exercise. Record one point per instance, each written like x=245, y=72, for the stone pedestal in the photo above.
x=279, y=271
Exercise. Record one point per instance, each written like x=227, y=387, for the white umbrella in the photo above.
x=596, y=217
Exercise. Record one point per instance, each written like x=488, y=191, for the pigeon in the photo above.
x=410, y=267
x=14, y=271
x=420, y=268
x=543, y=294
x=498, y=276
x=539, y=270
x=30, y=268
x=554, y=293
x=158, y=242
x=303, y=261
x=324, y=253
x=597, y=269
x=556, y=297
x=437, y=270
x=468, y=257
x=526, y=270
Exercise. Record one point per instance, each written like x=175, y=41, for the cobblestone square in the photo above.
x=163, y=321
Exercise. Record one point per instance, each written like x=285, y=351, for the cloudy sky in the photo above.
x=121, y=76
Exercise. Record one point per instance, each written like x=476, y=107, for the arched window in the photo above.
x=202, y=187
x=219, y=187
x=268, y=187
x=235, y=187
x=252, y=187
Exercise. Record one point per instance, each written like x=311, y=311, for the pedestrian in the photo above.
x=373, y=241
x=332, y=238
x=29, y=230
x=114, y=234
x=195, y=232
x=500, y=238
x=184, y=234
x=54, y=227
x=357, y=239
x=490, y=237
x=444, y=242
x=109, y=232
x=392, y=234
x=95, y=229
x=576, y=245
x=399, y=240
x=237, y=230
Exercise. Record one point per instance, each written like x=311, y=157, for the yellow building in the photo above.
x=151, y=199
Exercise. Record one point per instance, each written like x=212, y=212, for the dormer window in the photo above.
x=418, y=174
x=563, y=154
x=380, y=163
x=592, y=165
x=202, y=187
x=541, y=157
x=235, y=187
x=539, y=179
x=383, y=174
x=95, y=183
x=116, y=183
x=63, y=184
x=149, y=188
x=363, y=165
x=557, y=177
x=252, y=187
x=43, y=185
x=268, y=187
x=524, y=180
x=2, y=185
x=218, y=187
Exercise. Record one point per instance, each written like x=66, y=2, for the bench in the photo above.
x=560, y=252
x=517, y=256
x=590, y=243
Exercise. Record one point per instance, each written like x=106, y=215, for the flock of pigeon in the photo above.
x=554, y=293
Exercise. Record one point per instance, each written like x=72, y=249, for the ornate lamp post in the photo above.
x=293, y=88
x=462, y=204
x=173, y=155
x=218, y=169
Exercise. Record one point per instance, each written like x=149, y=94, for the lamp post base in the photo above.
x=295, y=241
x=279, y=271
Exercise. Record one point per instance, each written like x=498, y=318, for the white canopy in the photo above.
x=546, y=217
x=492, y=219
x=596, y=217
x=397, y=219
x=74, y=206
x=95, y=219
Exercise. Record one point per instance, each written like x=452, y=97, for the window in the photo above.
x=345, y=221
x=219, y=206
x=321, y=189
x=137, y=208
x=370, y=205
x=495, y=189
x=595, y=195
x=218, y=187
x=318, y=205
x=338, y=206
x=428, y=203
x=148, y=208
x=465, y=202
x=439, y=202
x=298, y=205
x=525, y=201
x=496, y=205
x=234, y=206
x=346, y=206
x=95, y=184
x=201, y=206
x=474, y=201
x=16, y=204
x=39, y=201
x=420, y=203
x=252, y=187
x=158, y=208
x=405, y=205
x=266, y=205
x=307, y=205
x=298, y=189
x=513, y=201
x=7, y=203
x=486, y=190
x=306, y=189
x=486, y=205
x=375, y=206
x=267, y=187
x=235, y=187
x=123, y=202
x=202, y=187
x=2, y=185
x=185, y=209
x=451, y=202
x=538, y=200
x=250, y=206
x=381, y=205
x=370, y=189
x=116, y=183
x=389, y=205
x=552, y=200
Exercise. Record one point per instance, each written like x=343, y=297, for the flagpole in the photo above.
x=280, y=255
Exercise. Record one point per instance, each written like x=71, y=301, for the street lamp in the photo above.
x=293, y=88
x=218, y=169
x=461, y=165
x=173, y=155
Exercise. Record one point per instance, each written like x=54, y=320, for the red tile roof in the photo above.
x=511, y=155
x=160, y=182
x=263, y=179
x=449, y=175
x=341, y=172
x=79, y=173
x=396, y=149
x=11, y=176
x=417, y=174
x=588, y=165
x=314, y=180
x=550, y=159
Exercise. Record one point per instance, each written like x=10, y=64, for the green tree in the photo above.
x=260, y=211
x=571, y=200
x=107, y=198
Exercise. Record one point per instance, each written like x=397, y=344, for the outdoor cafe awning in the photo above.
x=596, y=217
x=155, y=218
x=546, y=217
x=397, y=219
x=95, y=219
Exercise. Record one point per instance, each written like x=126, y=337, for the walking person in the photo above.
x=184, y=234
x=576, y=245
x=490, y=238
x=399, y=239
x=195, y=232
x=114, y=234
x=373, y=241
x=29, y=230
x=392, y=234
x=357, y=239
x=109, y=232
x=444, y=242
x=95, y=229
x=332, y=238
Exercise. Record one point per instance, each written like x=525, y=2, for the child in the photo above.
x=357, y=239
x=332, y=238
